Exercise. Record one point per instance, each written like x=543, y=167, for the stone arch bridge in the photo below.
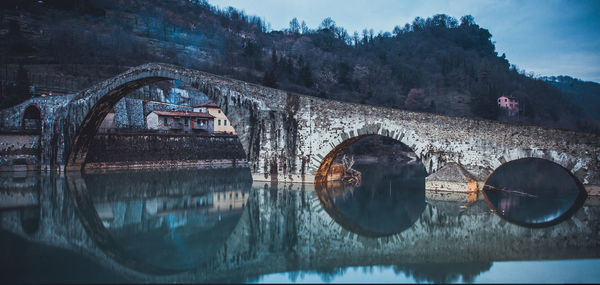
x=294, y=138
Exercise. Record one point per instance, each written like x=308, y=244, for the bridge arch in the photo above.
x=571, y=164
x=31, y=119
x=538, y=178
x=347, y=138
x=89, y=107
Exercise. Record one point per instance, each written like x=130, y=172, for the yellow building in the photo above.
x=222, y=124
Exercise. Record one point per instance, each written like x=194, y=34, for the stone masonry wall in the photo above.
x=157, y=150
x=19, y=152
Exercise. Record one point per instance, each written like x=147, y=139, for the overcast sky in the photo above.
x=545, y=37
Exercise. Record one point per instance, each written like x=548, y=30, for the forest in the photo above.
x=437, y=64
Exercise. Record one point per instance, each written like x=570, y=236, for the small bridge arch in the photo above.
x=346, y=139
x=32, y=118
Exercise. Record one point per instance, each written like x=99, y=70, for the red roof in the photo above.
x=184, y=114
x=208, y=105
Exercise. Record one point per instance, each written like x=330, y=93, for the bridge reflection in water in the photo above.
x=388, y=201
x=189, y=226
x=534, y=192
x=175, y=231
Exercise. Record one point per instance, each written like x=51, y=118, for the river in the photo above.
x=218, y=225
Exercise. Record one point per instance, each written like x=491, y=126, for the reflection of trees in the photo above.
x=328, y=275
x=436, y=273
x=443, y=273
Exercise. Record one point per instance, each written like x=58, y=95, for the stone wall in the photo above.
x=158, y=150
x=19, y=152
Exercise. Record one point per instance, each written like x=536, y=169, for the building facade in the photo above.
x=509, y=104
x=180, y=122
x=222, y=125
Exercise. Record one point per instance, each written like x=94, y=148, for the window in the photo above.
x=225, y=122
x=186, y=121
x=499, y=100
x=198, y=121
x=505, y=100
x=219, y=123
x=165, y=121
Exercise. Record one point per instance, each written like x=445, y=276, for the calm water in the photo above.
x=218, y=226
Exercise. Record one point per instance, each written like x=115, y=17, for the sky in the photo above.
x=543, y=37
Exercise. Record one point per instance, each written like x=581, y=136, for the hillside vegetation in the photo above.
x=438, y=64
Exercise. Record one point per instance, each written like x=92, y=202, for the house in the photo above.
x=180, y=122
x=221, y=123
x=509, y=104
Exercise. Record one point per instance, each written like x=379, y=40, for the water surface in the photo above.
x=196, y=226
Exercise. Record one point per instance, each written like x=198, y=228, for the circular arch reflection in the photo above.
x=388, y=200
x=161, y=222
x=533, y=192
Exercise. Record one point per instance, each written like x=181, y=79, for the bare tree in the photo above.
x=294, y=26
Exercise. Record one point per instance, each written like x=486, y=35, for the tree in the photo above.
x=484, y=101
x=467, y=20
x=418, y=24
x=294, y=26
x=327, y=24
x=414, y=99
x=270, y=79
x=304, y=28
x=397, y=31
x=340, y=33
x=274, y=57
x=355, y=38
x=306, y=75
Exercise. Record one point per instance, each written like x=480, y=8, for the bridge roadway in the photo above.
x=294, y=138
x=289, y=229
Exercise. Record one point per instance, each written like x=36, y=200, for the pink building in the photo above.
x=510, y=104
